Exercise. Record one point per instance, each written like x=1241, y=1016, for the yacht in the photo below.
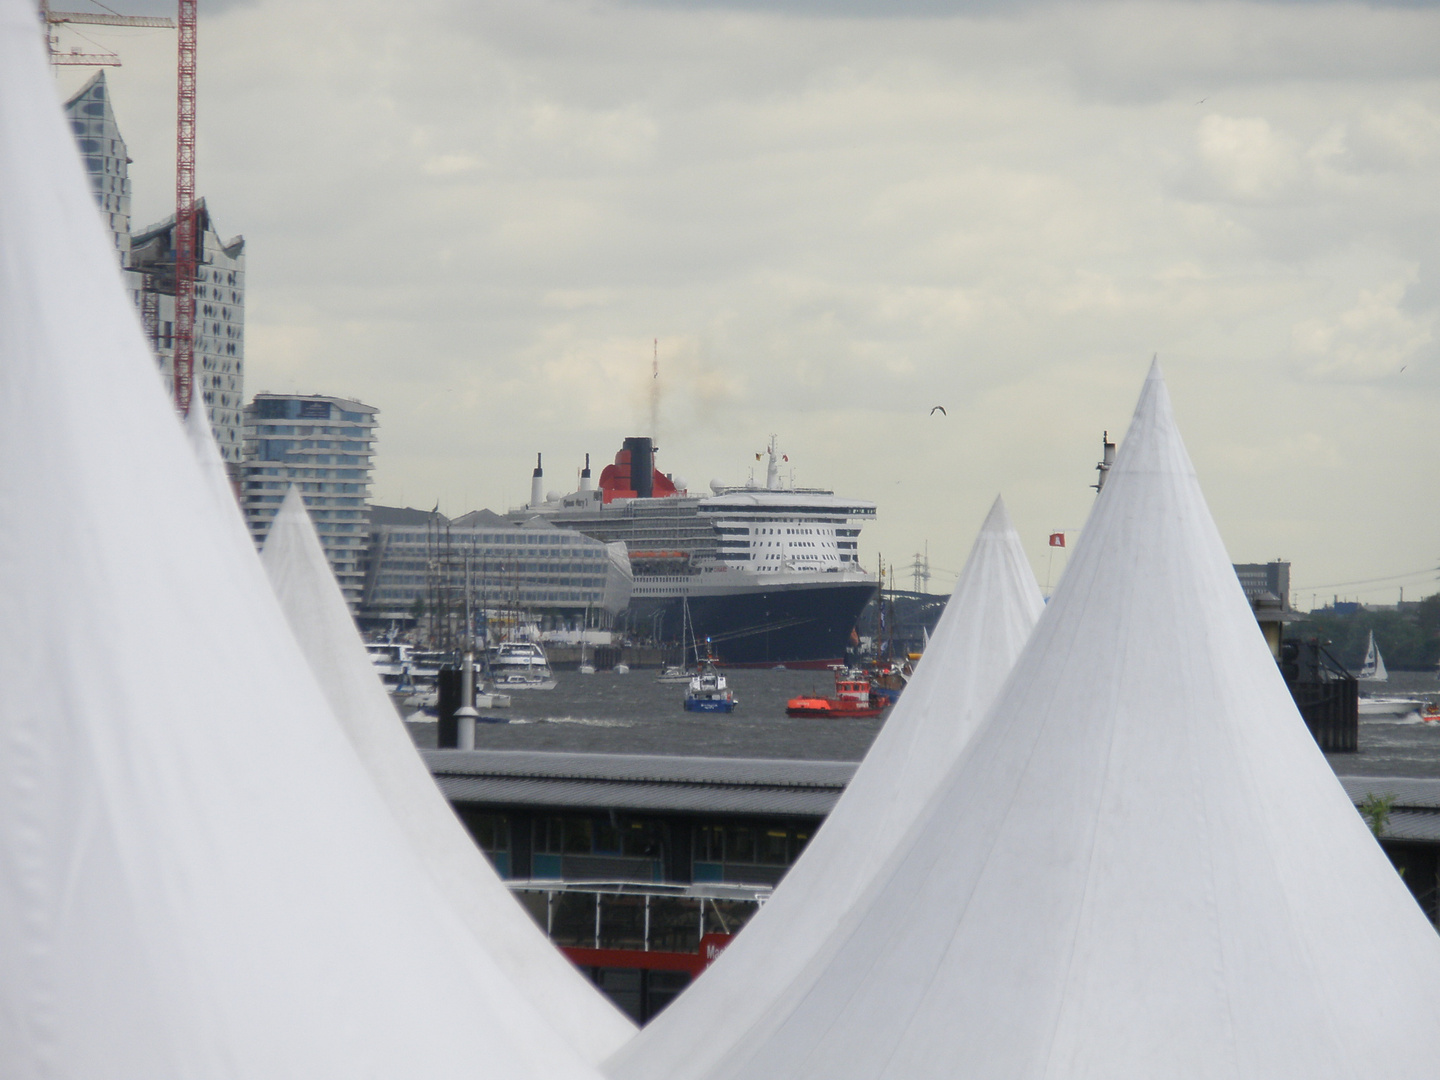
x=519, y=665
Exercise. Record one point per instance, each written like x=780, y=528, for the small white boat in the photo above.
x=674, y=673
x=622, y=669
x=1375, y=708
x=586, y=667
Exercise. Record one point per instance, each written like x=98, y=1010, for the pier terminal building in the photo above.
x=642, y=867
x=425, y=564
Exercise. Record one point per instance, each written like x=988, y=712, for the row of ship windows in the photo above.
x=574, y=560
x=420, y=581
x=740, y=556
x=417, y=538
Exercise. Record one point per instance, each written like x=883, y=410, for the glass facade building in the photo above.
x=324, y=446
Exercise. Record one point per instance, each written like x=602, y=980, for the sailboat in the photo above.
x=680, y=673
x=1372, y=669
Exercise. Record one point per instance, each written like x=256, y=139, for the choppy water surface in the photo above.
x=633, y=714
x=1406, y=746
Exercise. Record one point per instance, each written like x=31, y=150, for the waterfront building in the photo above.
x=1265, y=583
x=147, y=263
x=424, y=563
x=324, y=446
x=219, y=335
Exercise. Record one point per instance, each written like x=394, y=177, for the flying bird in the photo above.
x=1202, y=101
x=940, y=409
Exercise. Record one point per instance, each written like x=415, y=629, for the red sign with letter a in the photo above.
x=1057, y=539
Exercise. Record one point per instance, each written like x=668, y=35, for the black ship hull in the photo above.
x=797, y=626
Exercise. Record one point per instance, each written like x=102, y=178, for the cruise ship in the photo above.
x=770, y=572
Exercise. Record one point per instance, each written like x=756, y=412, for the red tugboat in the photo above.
x=851, y=700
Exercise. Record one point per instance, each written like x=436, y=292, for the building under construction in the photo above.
x=147, y=260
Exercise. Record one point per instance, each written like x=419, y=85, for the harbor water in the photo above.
x=634, y=714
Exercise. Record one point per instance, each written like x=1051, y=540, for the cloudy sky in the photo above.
x=834, y=215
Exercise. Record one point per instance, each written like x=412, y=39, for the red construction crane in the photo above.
x=185, y=253
x=74, y=56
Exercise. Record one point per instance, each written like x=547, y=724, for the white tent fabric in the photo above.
x=217, y=485
x=197, y=877
x=985, y=624
x=312, y=602
x=1141, y=866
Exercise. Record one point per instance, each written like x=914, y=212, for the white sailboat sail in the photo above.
x=1373, y=667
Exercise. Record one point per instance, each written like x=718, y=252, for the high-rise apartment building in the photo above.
x=147, y=261
x=324, y=445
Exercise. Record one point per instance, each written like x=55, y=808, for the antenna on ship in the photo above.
x=655, y=390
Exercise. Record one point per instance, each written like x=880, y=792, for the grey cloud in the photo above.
x=479, y=216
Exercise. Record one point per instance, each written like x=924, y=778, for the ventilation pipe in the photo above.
x=642, y=466
x=465, y=715
x=537, y=484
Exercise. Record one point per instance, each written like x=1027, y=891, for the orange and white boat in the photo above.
x=852, y=699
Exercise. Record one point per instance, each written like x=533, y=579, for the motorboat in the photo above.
x=852, y=699
x=674, y=673
x=1376, y=708
x=709, y=691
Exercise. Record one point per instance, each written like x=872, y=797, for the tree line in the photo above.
x=1408, y=637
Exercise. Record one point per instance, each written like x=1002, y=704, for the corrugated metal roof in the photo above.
x=640, y=781
x=769, y=786
x=1415, y=813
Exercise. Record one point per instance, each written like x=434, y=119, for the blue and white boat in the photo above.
x=708, y=692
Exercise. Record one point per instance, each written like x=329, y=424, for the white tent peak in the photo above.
x=982, y=630
x=197, y=875
x=1140, y=866
x=305, y=585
